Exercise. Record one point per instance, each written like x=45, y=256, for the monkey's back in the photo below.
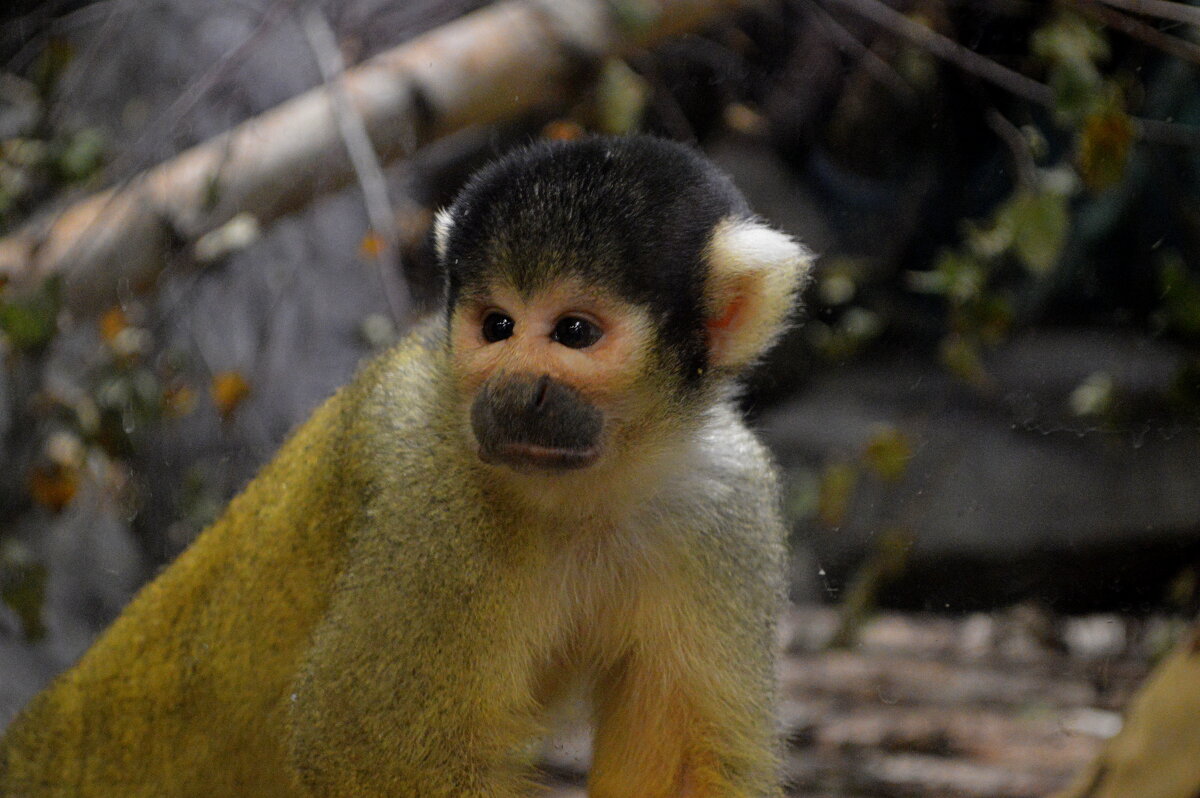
x=186, y=693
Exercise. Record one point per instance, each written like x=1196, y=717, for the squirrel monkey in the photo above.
x=546, y=487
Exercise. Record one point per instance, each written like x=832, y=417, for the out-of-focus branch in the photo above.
x=949, y=50
x=487, y=66
x=1182, y=49
x=1023, y=162
x=362, y=157
x=1153, y=130
x=1162, y=9
x=876, y=67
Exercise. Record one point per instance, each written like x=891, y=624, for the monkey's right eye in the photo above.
x=497, y=327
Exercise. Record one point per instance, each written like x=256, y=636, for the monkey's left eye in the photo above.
x=497, y=327
x=575, y=332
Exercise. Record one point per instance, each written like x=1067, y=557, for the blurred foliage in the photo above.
x=1094, y=396
x=1028, y=230
x=28, y=322
x=889, y=555
x=1104, y=146
x=229, y=390
x=885, y=455
x=54, y=485
x=1018, y=249
x=46, y=156
x=1086, y=100
x=621, y=96
x=1180, y=297
x=1072, y=48
x=23, y=587
x=836, y=490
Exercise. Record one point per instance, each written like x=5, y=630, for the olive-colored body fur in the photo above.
x=545, y=489
x=369, y=618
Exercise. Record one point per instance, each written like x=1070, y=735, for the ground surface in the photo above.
x=1006, y=705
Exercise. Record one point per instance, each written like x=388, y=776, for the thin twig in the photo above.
x=363, y=158
x=504, y=59
x=1182, y=49
x=1023, y=161
x=1157, y=131
x=134, y=155
x=1161, y=9
x=948, y=49
x=1150, y=130
x=876, y=67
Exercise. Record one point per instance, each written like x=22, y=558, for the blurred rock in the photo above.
x=1077, y=510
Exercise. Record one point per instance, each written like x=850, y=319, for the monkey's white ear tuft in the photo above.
x=754, y=276
x=442, y=223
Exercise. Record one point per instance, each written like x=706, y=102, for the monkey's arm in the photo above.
x=690, y=714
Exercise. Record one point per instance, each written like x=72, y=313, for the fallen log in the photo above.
x=482, y=68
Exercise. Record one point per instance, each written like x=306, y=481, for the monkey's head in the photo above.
x=601, y=295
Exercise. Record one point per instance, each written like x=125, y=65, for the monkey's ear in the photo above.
x=754, y=276
x=442, y=223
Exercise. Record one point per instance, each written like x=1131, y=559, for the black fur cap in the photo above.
x=633, y=215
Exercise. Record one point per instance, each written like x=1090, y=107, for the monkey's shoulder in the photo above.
x=397, y=395
x=731, y=452
x=728, y=480
x=402, y=429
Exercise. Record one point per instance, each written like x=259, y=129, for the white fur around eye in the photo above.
x=756, y=271
x=442, y=223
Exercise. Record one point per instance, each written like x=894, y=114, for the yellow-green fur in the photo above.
x=374, y=616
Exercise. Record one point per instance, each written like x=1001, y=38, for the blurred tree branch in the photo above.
x=949, y=50
x=1162, y=9
x=1182, y=49
x=1012, y=81
x=363, y=157
x=487, y=66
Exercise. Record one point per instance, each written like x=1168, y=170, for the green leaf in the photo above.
x=621, y=97
x=1078, y=91
x=888, y=452
x=964, y=276
x=1069, y=38
x=1180, y=295
x=31, y=321
x=23, y=589
x=635, y=16
x=1071, y=48
x=1104, y=144
x=1041, y=221
x=961, y=357
x=835, y=491
x=82, y=156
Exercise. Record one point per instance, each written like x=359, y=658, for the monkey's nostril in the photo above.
x=539, y=393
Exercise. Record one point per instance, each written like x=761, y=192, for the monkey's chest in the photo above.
x=597, y=602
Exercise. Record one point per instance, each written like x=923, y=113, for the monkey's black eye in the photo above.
x=497, y=327
x=576, y=333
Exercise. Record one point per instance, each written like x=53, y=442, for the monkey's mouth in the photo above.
x=534, y=457
x=535, y=423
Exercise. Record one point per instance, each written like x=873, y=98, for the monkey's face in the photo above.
x=546, y=379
